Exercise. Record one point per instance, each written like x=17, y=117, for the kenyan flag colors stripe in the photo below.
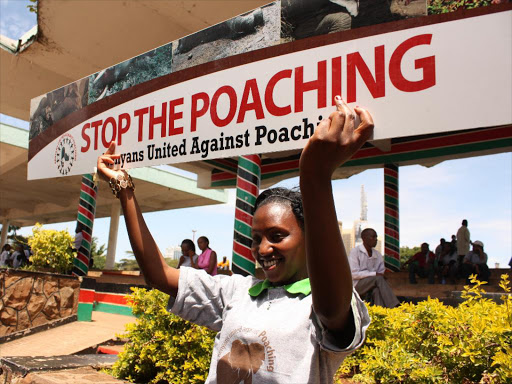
x=86, y=210
x=247, y=189
x=391, y=218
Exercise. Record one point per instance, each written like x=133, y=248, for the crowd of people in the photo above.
x=457, y=259
x=14, y=257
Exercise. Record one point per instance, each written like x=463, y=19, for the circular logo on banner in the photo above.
x=65, y=154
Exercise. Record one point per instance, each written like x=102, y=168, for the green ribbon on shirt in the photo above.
x=301, y=286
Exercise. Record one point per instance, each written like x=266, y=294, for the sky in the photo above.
x=433, y=201
x=15, y=18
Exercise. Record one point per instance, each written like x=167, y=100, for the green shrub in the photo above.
x=424, y=343
x=162, y=347
x=51, y=249
x=434, y=343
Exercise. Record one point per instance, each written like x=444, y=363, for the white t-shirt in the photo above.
x=186, y=262
x=274, y=337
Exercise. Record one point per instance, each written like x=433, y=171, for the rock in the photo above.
x=17, y=294
x=23, y=320
x=8, y=316
x=71, y=283
x=39, y=320
x=75, y=302
x=38, y=286
x=52, y=307
x=10, y=279
x=67, y=297
x=35, y=305
x=4, y=331
x=50, y=287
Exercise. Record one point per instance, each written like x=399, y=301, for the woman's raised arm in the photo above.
x=335, y=141
x=151, y=262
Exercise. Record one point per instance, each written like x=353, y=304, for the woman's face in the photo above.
x=202, y=244
x=278, y=243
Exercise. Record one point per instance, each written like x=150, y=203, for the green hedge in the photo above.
x=424, y=343
x=162, y=347
x=51, y=249
x=433, y=343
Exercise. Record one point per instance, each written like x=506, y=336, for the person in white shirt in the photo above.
x=5, y=256
x=367, y=266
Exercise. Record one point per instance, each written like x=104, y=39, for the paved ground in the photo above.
x=70, y=338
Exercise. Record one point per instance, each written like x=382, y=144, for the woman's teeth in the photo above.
x=269, y=263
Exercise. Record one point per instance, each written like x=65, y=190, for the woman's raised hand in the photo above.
x=335, y=140
x=106, y=163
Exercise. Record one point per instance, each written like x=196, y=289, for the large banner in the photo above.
x=438, y=77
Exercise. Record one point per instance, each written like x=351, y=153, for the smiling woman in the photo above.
x=308, y=283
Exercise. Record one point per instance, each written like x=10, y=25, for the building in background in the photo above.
x=173, y=253
x=352, y=236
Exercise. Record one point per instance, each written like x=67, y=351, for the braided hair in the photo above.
x=290, y=197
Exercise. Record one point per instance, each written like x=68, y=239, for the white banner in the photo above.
x=442, y=77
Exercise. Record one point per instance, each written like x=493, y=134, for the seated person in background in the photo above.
x=448, y=263
x=439, y=248
x=423, y=264
x=188, y=254
x=19, y=257
x=224, y=264
x=454, y=243
x=5, y=256
x=367, y=267
x=207, y=260
x=475, y=262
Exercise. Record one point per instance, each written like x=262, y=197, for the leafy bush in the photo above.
x=434, y=343
x=163, y=347
x=424, y=343
x=445, y=6
x=51, y=249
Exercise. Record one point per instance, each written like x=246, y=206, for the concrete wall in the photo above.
x=30, y=300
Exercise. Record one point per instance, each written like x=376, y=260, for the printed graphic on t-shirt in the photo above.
x=245, y=358
x=241, y=363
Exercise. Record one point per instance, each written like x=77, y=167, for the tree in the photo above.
x=128, y=264
x=98, y=254
x=13, y=236
x=406, y=253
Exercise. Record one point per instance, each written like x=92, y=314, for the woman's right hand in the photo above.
x=106, y=163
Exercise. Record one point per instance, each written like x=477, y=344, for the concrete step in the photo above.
x=26, y=364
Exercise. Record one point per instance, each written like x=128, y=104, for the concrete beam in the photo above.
x=112, y=236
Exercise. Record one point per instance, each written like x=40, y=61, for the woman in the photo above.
x=208, y=258
x=288, y=328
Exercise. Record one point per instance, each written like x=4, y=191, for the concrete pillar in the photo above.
x=5, y=229
x=115, y=212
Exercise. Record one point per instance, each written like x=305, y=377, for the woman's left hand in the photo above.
x=335, y=140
